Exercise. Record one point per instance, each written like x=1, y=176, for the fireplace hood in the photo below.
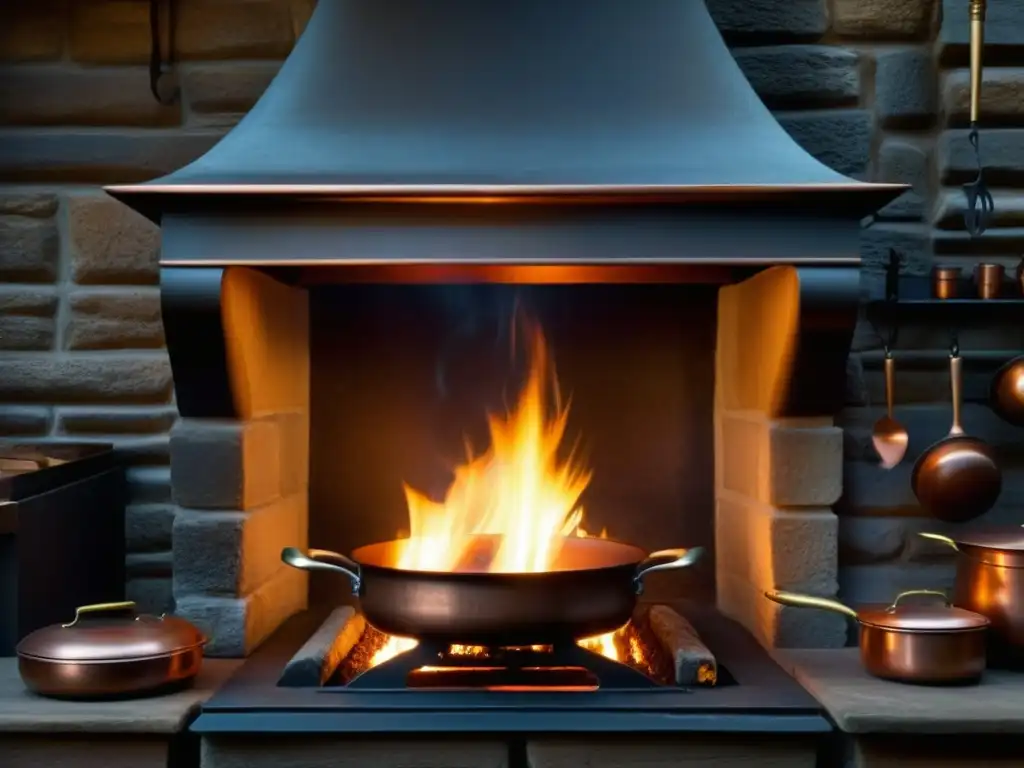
x=558, y=103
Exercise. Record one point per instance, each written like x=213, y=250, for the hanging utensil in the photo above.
x=1006, y=395
x=980, y=204
x=889, y=436
x=911, y=643
x=957, y=479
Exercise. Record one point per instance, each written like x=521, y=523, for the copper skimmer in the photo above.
x=980, y=204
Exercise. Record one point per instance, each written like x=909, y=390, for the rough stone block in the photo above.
x=294, y=452
x=99, y=156
x=856, y=386
x=150, y=595
x=791, y=463
x=233, y=29
x=911, y=240
x=110, y=32
x=148, y=527
x=110, y=242
x=29, y=249
x=18, y=420
x=232, y=553
x=31, y=31
x=695, y=751
x=884, y=19
x=791, y=76
x=231, y=87
x=231, y=465
x=879, y=584
x=148, y=564
x=867, y=540
x=778, y=626
x=69, y=95
x=117, y=420
x=1002, y=156
x=805, y=463
x=237, y=625
x=1002, y=95
x=1004, y=29
x=27, y=317
x=246, y=752
x=114, y=319
x=776, y=549
x=99, y=378
x=149, y=485
x=904, y=162
x=905, y=88
x=797, y=19
x=40, y=205
x=839, y=139
x=131, y=450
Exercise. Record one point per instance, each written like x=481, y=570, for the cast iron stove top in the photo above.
x=271, y=694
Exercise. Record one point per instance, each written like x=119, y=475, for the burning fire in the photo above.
x=518, y=489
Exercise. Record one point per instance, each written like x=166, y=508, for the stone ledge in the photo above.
x=305, y=752
x=22, y=712
x=859, y=703
x=697, y=751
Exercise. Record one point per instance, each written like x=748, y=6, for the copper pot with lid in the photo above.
x=990, y=581
x=933, y=643
x=110, y=651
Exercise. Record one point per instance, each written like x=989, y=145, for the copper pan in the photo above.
x=1006, y=396
x=108, y=651
x=912, y=643
x=957, y=479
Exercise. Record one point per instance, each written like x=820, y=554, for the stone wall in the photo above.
x=875, y=88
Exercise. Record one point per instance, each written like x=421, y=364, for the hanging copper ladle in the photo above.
x=980, y=204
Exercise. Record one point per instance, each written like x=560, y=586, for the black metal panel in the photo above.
x=514, y=234
x=190, y=300
x=829, y=300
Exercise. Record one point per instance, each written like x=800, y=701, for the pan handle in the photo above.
x=324, y=560
x=665, y=560
x=809, y=601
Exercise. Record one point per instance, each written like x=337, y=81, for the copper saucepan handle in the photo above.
x=665, y=560
x=809, y=601
x=940, y=538
x=324, y=560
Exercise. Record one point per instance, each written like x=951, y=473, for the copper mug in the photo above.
x=989, y=279
x=945, y=282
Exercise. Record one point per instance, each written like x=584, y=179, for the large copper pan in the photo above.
x=592, y=588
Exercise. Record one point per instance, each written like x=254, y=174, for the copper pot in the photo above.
x=912, y=643
x=109, y=651
x=990, y=581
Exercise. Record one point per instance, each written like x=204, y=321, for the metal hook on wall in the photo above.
x=158, y=64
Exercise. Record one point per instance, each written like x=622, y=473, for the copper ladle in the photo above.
x=889, y=436
x=957, y=479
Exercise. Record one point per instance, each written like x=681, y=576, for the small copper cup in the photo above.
x=989, y=279
x=945, y=282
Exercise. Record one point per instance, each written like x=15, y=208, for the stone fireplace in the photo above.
x=327, y=182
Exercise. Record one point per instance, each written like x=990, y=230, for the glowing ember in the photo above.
x=519, y=490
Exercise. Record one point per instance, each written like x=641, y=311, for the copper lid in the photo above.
x=922, y=617
x=1010, y=538
x=111, y=632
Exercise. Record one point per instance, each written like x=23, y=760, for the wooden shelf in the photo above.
x=915, y=305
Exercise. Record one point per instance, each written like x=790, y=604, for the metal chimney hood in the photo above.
x=423, y=110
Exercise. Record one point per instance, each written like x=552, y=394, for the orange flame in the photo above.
x=519, y=490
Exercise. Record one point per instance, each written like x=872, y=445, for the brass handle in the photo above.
x=809, y=601
x=85, y=611
x=680, y=558
x=976, y=11
x=940, y=538
x=913, y=592
x=956, y=378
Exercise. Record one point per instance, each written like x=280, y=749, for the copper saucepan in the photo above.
x=912, y=643
x=1006, y=395
x=109, y=651
x=990, y=581
x=958, y=478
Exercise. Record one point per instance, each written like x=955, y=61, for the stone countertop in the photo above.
x=23, y=712
x=862, y=704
